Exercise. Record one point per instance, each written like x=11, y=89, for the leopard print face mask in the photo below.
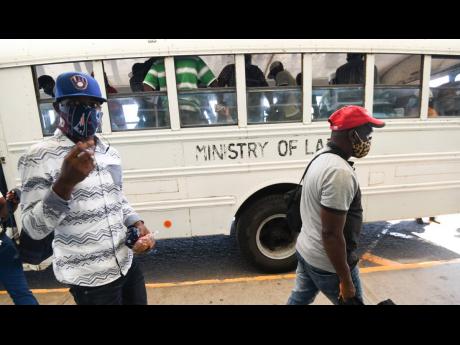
x=360, y=147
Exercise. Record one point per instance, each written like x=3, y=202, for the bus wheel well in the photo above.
x=273, y=189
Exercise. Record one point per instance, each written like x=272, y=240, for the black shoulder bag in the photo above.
x=35, y=251
x=292, y=197
x=31, y=251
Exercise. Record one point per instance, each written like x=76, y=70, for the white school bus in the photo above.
x=225, y=169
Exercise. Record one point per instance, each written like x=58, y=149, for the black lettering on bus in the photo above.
x=201, y=149
x=292, y=146
x=241, y=148
x=215, y=151
x=319, y=144
x=282, y=151
x=252, y=148
x=262, y=147
x=230, y=149
x=306, y=148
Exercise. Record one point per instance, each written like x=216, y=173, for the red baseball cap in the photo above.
x=352, y=116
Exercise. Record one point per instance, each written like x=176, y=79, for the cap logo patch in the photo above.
x=80, y=82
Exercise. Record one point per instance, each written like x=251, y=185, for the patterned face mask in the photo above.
x=360, y=147
x=79, y=121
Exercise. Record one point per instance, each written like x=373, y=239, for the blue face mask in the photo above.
x=79, y=121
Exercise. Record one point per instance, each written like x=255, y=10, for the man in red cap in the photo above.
x=331, y=212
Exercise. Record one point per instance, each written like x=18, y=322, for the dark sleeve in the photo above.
x=376, y=76
x=224, y=77
x=261, y=77
x=338, y=76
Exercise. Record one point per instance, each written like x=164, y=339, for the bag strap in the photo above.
x=306, y=169
x=333, y=149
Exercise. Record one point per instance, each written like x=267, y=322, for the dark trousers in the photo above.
x=12, y=275
x=126, y=290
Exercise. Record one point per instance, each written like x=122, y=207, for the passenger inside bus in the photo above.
x=46, y=83
x=448, y=98
x=136, y=77
x=150, y=110
x=254, y=75
x=314, y=103
x=254, y=78
x=287, y=107
x=353, y=71
x=117, y=115
x=108, y=87
x=431, y=110
x=138, y=73
x=190, y=71
x=298, y=79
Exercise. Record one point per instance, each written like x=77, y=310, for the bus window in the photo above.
x=398, y=92
x=202, y=100
x=136, y=99
x=338, y=80
x=444, y=86
x=272, y=94
x=45, y=81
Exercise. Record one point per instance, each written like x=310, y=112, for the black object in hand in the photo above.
x=356, y=301
x=387, y=302
x=132, y=236
x=352, y=301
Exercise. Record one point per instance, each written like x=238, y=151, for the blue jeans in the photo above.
x=311, y=280
x=12, y=275
x=126, y=290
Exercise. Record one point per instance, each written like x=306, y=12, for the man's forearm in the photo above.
x=64, y=190
x=3, y=208
x=335, y=247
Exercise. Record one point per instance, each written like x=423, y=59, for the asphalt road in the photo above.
x=218, y=257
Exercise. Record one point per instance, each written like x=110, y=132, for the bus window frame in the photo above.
x=370, y=62
x=307, y=88
x=428, y=62
x=175, y=93
x=241, y=92
x=409, y=87
x=40, y=101
x=367, y=90
x=134, y=95
x=338, y=86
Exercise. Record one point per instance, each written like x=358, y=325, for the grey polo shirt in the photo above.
x=331, y=182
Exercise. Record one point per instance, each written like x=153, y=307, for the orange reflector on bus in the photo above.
x=167, y=224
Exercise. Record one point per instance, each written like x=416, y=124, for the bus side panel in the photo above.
x=405, y=204
x=19, y=116
x=153, y=185
x=19, y=111
x=411, y=173
x=164, y=223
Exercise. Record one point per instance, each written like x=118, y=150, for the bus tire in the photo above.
x=262, y=228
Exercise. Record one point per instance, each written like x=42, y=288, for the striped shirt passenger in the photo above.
x=191, y=71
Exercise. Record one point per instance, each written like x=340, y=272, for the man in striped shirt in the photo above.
x=191, y=71
x=72, y=185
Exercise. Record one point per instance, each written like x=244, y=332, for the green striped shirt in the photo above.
x=190, y=70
